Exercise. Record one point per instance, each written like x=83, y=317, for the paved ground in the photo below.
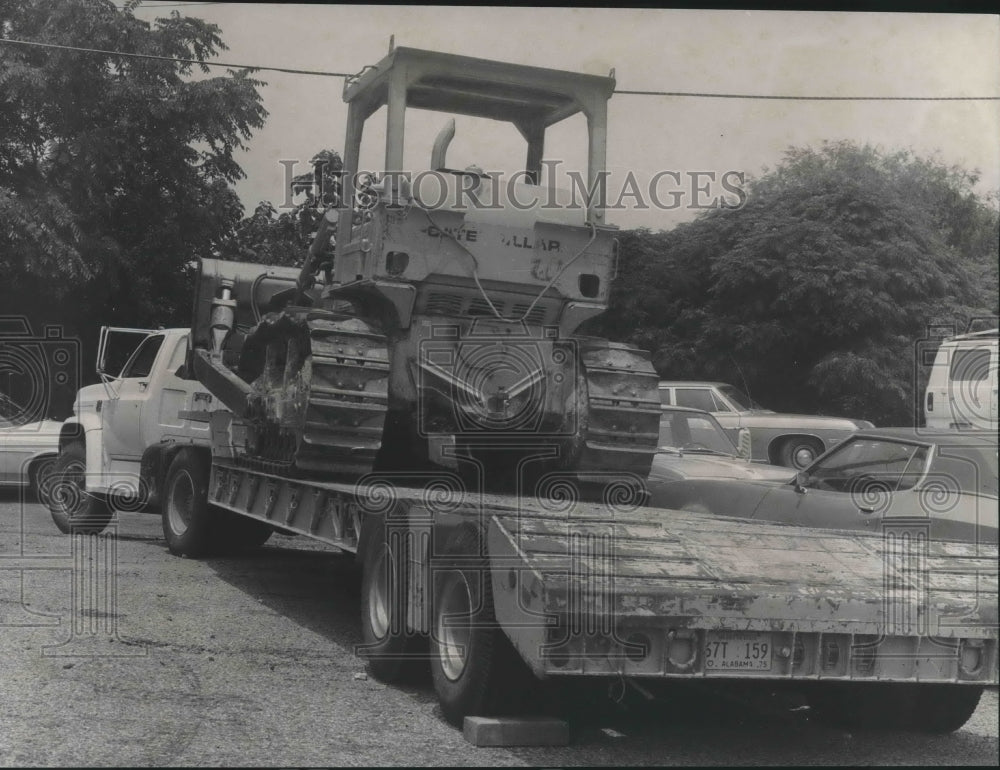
x=249, y=661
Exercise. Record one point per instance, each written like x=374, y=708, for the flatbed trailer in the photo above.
x=494, y=592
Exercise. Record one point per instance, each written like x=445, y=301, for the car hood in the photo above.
x=673, y=467
x=42, y=431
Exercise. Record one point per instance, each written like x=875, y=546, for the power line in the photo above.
x=175, y=59
x=816, y=98
x=623, y=92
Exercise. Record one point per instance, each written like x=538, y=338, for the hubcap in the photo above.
x=453, y=625
x=179, y=503
x=803, y=456
x=378, y=596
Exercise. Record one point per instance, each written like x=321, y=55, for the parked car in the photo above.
x=693, y=445
x=27, y=449
x=962, y=389
x=793, y=440
x=876, y=479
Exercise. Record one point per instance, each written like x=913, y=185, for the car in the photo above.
x=792, y=440
x=944, y=484
x=694, y=446
x=962, y=387
x=28, y=448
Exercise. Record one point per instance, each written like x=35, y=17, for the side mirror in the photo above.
x=801, y=479
x=744, y=444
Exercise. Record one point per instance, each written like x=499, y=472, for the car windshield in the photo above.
x=10, y=412
x=969, y=468
x=738, y=397
x=693, y=432
x=859, y=462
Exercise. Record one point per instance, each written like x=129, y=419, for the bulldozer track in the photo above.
x=622, y=418
x=325, y=413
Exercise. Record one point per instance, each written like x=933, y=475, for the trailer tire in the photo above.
x=475, y=668
x=393, y=652
x=73, y=510
x=190, y=523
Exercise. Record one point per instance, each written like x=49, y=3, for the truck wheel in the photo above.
x=476, y=670
x=799, y=453
x=392, y=651
x=40, y=476
x=189, y=522
x=72, y=509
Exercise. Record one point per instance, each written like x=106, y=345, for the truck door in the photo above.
x=120, y=416
x=160, y=415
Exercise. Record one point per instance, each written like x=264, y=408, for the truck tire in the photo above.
x=799, y=452
x=41, y=472
x=475, y=668
x=394, y=654
x=190, y=524
x=72, y=509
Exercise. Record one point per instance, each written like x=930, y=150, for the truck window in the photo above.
x=696, y=398
x=970, y=365
x=665, y=396
x=141, y=363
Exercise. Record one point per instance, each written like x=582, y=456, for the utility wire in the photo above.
x=816, y=98
x=623, y=92
x=175, y=59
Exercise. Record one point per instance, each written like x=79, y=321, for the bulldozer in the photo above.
x=443, y=333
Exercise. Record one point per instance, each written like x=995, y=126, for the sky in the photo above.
x=732, y=52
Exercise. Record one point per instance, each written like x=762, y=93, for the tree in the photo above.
x=814, y=293
x=115, y=172
x=273, y=238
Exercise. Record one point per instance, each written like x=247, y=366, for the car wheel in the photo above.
x=72, y=509
x=799, y=453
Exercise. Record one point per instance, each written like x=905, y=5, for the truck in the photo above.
x=113, y=451
x=421, y=396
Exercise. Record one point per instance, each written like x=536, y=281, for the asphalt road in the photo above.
x=250, y=660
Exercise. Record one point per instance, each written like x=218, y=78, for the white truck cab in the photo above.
x=112, y=450
x=962, y=390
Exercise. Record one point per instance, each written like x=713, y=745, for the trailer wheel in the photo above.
x=393, y=652
x=72, y=509
x=476, y=670
x=188, y=520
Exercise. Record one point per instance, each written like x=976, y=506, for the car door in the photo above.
x=121, y=414
x=850, y=488
x=972, y=383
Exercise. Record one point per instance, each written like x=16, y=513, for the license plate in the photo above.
x=737, y=652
